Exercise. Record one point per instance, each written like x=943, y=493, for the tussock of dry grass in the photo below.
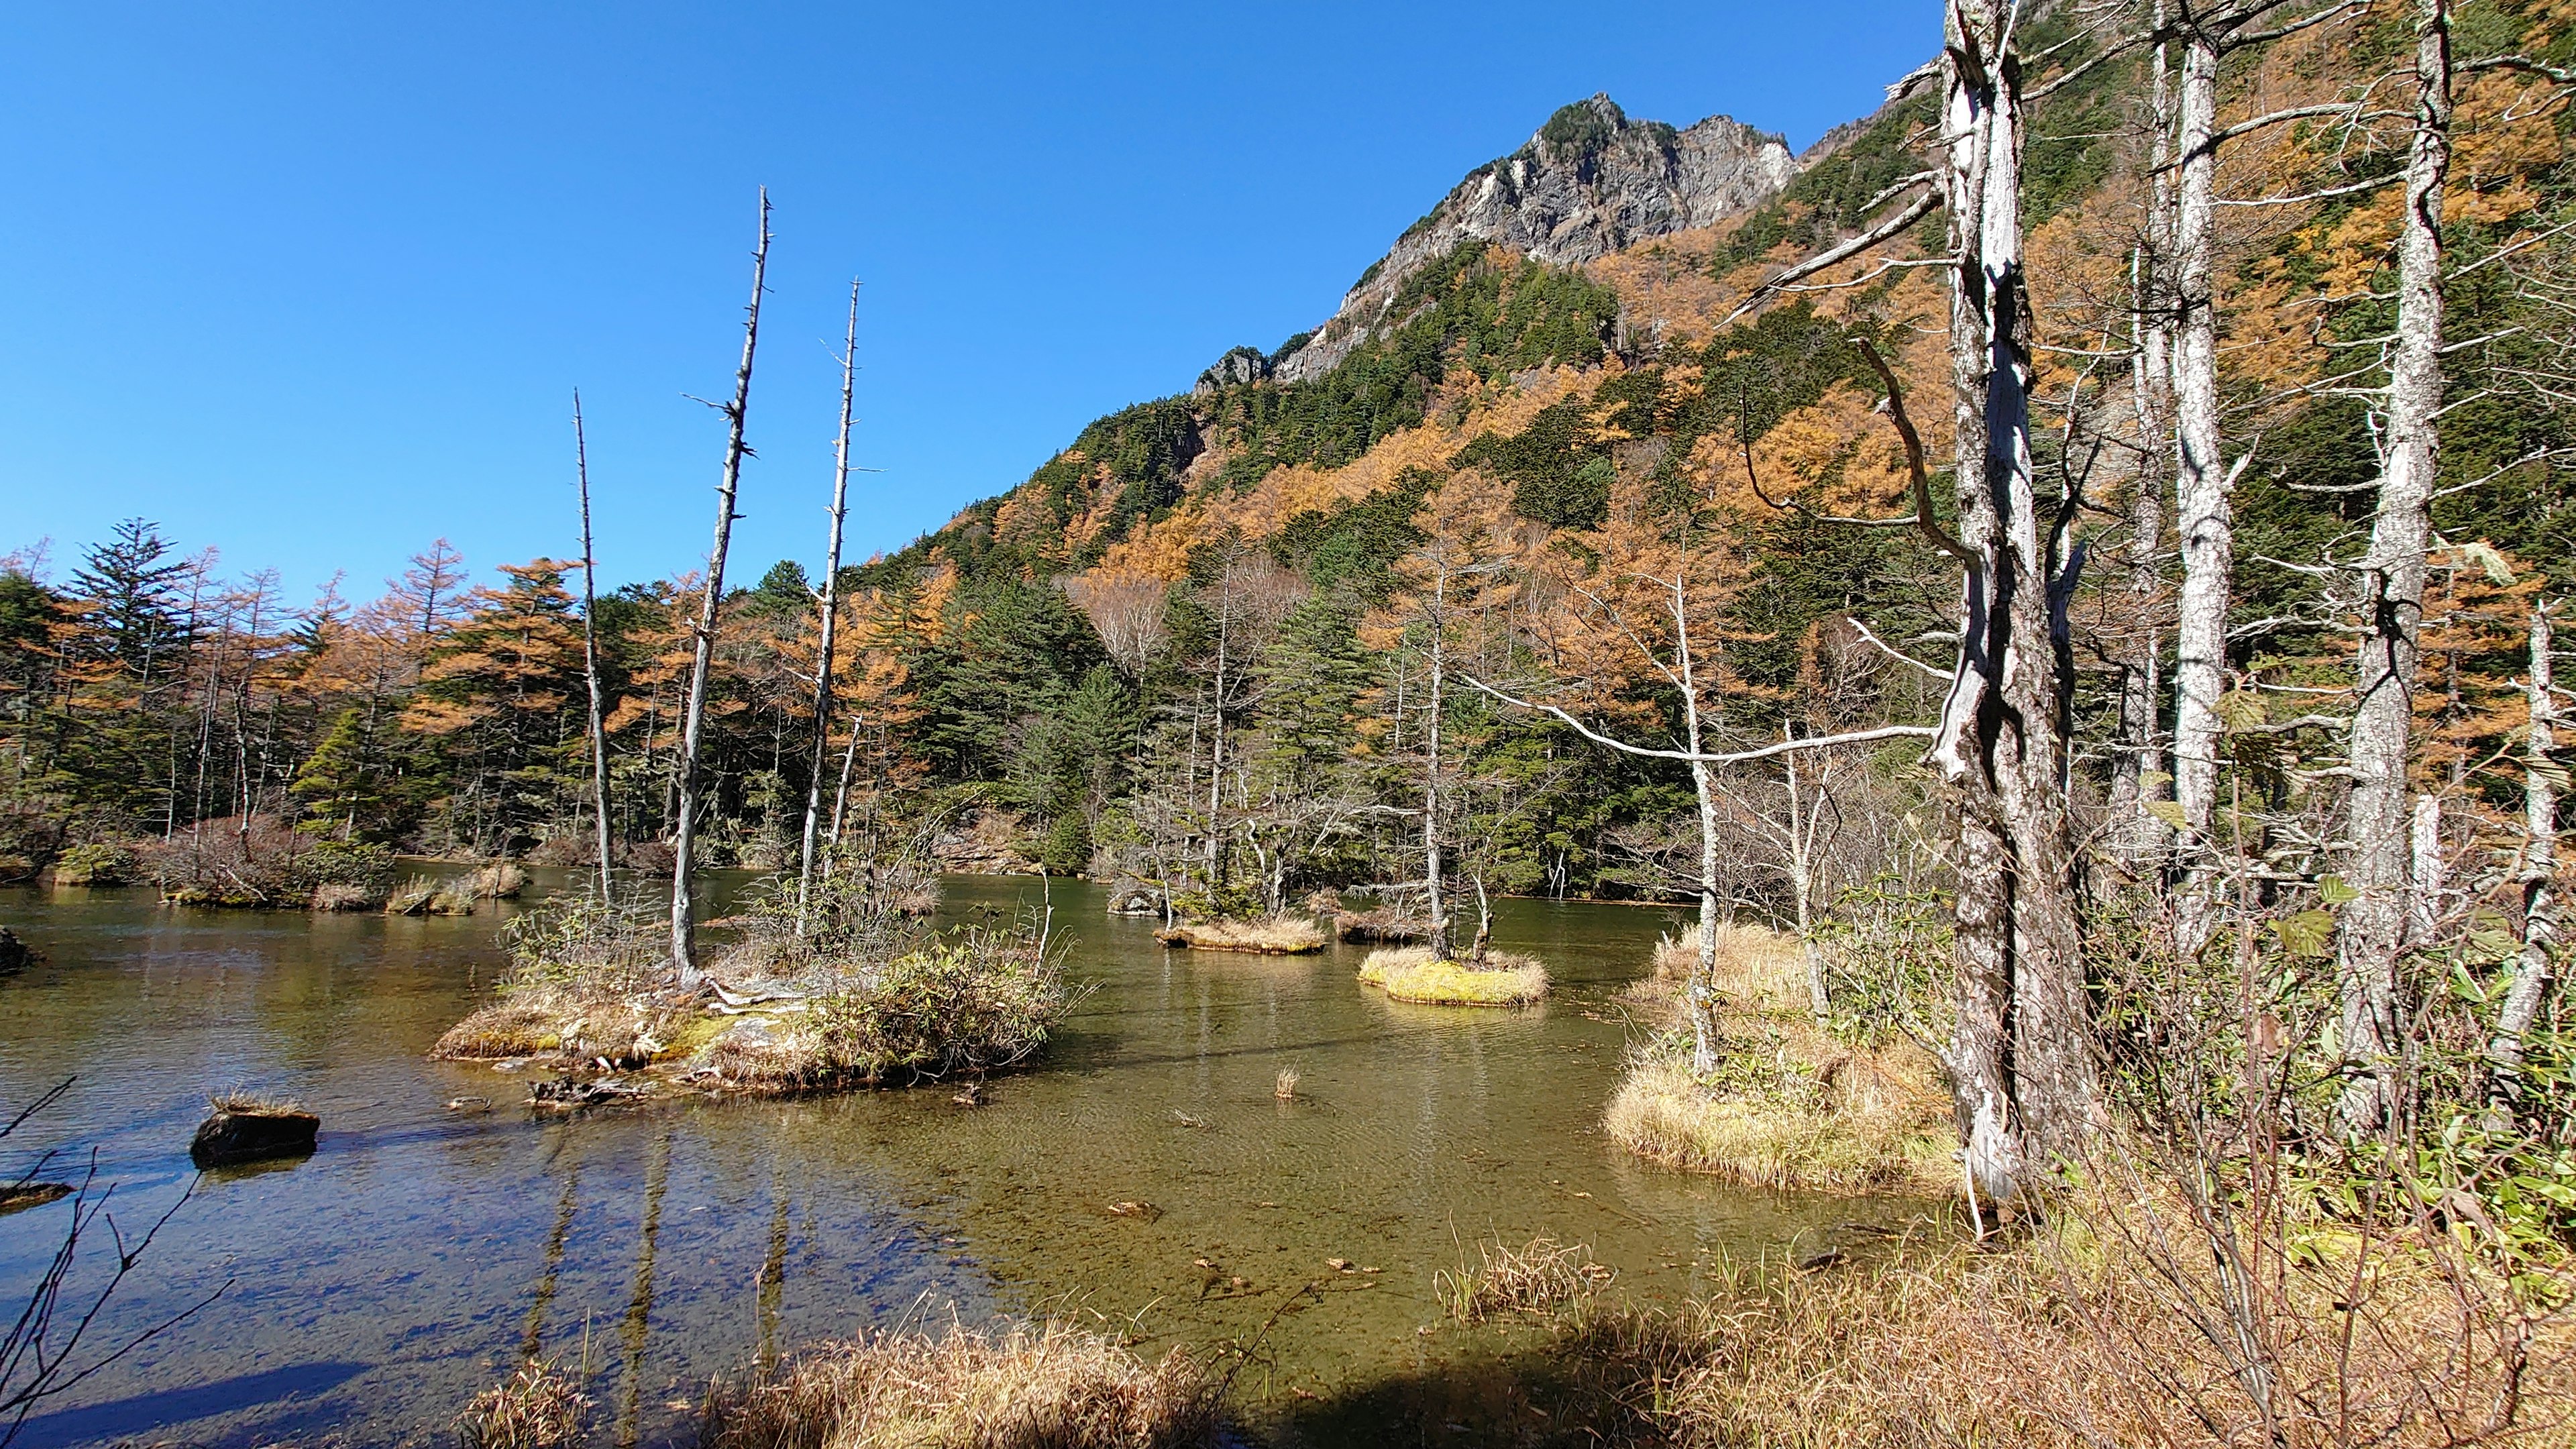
x=1542, y=1276
x=2113, y=1329
x=336, y=896
x=499, y=881
x=1049, y=1387
x=418, y=897
x=1790, y=1105
x=1410, y=974
x=1383, y=924
x=242, y=1102
x=1757, y=969
x=1817, y=1115
x=1281, y=935
x=539, y=1407
x=550, y=1020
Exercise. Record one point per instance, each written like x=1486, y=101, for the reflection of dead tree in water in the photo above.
x=637, y=1331
x=39, y=1355
x=543, y=1303
x=773, y=1269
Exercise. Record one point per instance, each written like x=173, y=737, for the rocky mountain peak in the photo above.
x=1586, y=184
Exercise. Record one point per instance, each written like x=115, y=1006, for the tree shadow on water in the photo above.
x=162, y=1410
x=1590, y=1384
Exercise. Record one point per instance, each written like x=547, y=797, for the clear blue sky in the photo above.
x=313, y=283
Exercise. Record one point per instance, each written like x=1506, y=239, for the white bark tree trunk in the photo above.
x=590, y=658
x=2371, y=929
x=2141, y=836
x=2203, y=514
x=684, y=836
x=2540, y=777
x=829, y=607
x=2021, y=1058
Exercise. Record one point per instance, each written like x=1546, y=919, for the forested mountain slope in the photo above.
x=1195, y=646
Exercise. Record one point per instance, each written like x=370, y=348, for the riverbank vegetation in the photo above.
x=1793, y=1104
x=1048, y=1386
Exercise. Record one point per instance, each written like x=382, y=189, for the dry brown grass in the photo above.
x=1381, y=925
x=1796, y=1109
x=419, y=897
x=1282, y=935
x=1411, y=974
x=549, y=1020
x=1757, y=968
x=1045, y=1387
x=340, y=896
x=2111, y=1328
x=1791, y=1105
x=242, y=1102
x=1542, y=1276
x=499, y=881
x=539, y=1407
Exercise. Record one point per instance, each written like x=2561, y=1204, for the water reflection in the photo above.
x=420, y=1254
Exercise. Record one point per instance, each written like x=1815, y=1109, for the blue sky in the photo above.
x=312, y=284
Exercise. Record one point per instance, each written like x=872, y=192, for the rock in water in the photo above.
x=251, y=1133
x=15, y=955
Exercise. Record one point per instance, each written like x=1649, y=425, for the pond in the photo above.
x=368, y=1291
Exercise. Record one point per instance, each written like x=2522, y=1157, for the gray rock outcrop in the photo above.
x=1590, y=182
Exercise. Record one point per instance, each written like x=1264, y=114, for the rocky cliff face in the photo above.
x=1589, y=183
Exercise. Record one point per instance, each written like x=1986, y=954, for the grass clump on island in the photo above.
x=1279, y=935
x=863, y=996
x=1415, y=974
x=253, y=863
x=1044, y=1386
x=1791, y=1104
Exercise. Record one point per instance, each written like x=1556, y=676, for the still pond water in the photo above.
x=369, y=1290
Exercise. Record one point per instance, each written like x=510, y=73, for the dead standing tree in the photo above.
x=2021, y=1058
x=590, y=651
x=684, y=838
x=828, y=605
x=2371, y=930
x=2542, y=777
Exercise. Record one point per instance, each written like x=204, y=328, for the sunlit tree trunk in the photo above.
x=2371, y=929
x=684, y=835
x=590, y=657
x=2141, y=836
x=829, y=607
x=2540, y=777
x=2021, y=1059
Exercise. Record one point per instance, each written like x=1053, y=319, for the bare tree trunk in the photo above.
x=2371, y=929
x=2424, y=871
x=1699, y=993
x=1802, y=893
x=2204, y=515
x=2021, y=1061
x=830, y=607
x=684, y=838
x=2540, y=777
x=590, y=653
x=1442, y=943
x=2142, y=837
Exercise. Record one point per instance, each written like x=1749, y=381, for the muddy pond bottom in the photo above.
x=1144, y=1178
